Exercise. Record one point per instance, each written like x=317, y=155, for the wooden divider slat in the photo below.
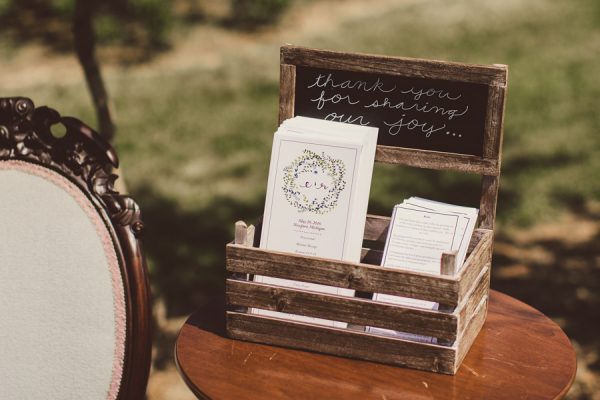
x=340, y=308
x=343, y=342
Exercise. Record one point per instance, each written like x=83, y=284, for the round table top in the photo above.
x=519, y=354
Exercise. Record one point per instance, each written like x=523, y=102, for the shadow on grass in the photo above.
x=186, y=249
x=186, y=253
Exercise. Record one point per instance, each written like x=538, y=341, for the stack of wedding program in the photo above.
x=316, y=205
x=317, y=197
x=420, y=231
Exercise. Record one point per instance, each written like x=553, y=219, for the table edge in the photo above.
x=188, y=382
x=198, y=393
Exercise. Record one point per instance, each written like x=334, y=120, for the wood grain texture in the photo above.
x=448, y=263
x=465, y=311
x=287, y=91
x=492, y=148
x=436, y=160
x=343, y=342
x=520, y=353
x=494, y=123
x=476, y=238
x=362, y=277
x=240, y=233
x=409, y=67
x=371, y=256
x=376, y=228
x=138, y=349
x=488, y=201
x=250, y=231
x=469, y=334
x=448, y=268
x=341, y=308
x=461, y=294
x=477, y=260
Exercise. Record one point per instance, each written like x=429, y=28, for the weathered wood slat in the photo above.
x=464, y=342
x=376, y=228
x=448, y=268
x=362, y=277
x=371, y=256
x=485, y=74
x=437, y=160
x=492, y=141
x=474, y=264
x=340, y=308
x=241, y=231
x=448, y=264
x=465, y=294
x=287, y=91
x=487, y=203
x=465, y=311
x=477, y=235
x=343, y=342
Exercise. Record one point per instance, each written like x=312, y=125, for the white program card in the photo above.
x=467, y=222
x=311, y=191
x=313, y=196
x=367, y=138
x=416, y=240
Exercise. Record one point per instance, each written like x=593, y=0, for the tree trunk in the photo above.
x=85, y=47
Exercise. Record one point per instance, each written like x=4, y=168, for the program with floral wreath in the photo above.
x=317, y=196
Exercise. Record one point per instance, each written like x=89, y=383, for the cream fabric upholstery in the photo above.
x=61, y=295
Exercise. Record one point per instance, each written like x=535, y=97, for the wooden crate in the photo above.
x=462, y=296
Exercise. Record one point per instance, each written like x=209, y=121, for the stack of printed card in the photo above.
x=317, y=197
x=420, y=231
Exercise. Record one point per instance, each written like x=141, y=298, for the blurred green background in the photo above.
x=194, y=85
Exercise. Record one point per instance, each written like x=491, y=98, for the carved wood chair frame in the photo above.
x=86, y=159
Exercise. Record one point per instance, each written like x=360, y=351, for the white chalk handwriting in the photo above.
x=324, y=81
x=421, y=100
x=426, y=128
x=424, y=108
x=336, y=98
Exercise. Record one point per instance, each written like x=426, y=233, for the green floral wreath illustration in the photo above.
x=313, y=163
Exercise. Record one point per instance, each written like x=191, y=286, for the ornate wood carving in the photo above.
x=84, y=157
x=25, y=133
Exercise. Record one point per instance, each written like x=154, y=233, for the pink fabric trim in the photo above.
x=109, y=251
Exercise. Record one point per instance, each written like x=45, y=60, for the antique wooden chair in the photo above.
x=74, y=296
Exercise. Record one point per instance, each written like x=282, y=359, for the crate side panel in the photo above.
x=470, y=333
x=341, y=342
x=468, y=308
x=376, y=228
x=477, y=260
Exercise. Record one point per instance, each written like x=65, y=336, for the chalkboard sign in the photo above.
x=432, y=114
x=428, y=114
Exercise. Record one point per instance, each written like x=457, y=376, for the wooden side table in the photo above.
x=519, y=354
